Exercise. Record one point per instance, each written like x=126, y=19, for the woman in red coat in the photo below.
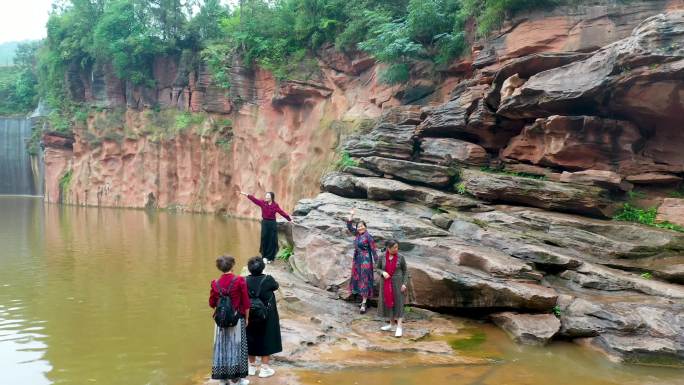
x=230, y=344
x=269, y=229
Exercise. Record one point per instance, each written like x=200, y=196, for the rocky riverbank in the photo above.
x=501, y=197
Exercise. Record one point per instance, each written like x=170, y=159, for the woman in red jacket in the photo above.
x=269, y=229
x=230, y=344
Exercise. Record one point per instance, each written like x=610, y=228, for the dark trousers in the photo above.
x=269, y=239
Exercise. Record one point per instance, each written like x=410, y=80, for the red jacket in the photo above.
x=238, y=292
x=268, y=211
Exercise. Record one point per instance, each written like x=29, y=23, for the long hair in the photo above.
x=272, y=194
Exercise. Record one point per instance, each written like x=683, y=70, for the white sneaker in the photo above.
x=243, y=381
x=251, y=370
x=266, y=371
x=267, y=261
x=399, y=332
x=386, y=328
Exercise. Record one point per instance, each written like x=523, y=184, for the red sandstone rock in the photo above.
x=672, y=210
x=575, y=143
x=57, y=140
x=654, y=178
x=601, y=178
x=571, y=28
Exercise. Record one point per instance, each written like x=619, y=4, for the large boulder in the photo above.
x=575, y=143
x=424, y=173
x=385, y=140
x=446, y=151
x=556, y=196
x=528, y=329
x=641, y=330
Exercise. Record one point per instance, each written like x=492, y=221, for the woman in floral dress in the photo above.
x=365, y=254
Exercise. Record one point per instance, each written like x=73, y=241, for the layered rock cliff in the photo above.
x=501, y=197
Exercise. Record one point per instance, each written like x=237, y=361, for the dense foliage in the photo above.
x=18, y=83
x=282, y=36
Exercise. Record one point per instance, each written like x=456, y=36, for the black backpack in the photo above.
x=225, y=315
x=258, y=311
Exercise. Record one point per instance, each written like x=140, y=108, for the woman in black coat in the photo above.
x=263, y=336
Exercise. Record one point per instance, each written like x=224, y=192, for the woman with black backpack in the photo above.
x=263, y=332
x=229, y=298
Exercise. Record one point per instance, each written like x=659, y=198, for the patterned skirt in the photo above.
x=230, y=352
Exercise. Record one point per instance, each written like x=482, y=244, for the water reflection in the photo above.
x=114, y=296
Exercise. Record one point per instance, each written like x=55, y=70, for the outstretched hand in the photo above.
x=243, y=193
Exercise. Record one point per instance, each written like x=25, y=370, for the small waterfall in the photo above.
x=20, y=173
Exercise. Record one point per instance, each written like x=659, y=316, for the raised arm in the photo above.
x=350, y=227
x=283, y=213
x=252, y=198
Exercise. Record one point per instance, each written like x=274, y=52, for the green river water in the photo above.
x=107, y=296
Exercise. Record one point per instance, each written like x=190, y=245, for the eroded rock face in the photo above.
x=447, y=151
x=571, y=28
x=381, y=189
x=385, y=140
x=576, y=143
x=424, y=173
x=644, y=70
x=467, y=116
x=528, y=329
x=593, y=201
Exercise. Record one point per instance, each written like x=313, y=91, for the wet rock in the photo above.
x=575, y=143
x=425, y=173
x=637, y=332
x=385, y=140
x=381, y=189
x=528, y=329
x=491, y=187
x=672, y=210
x=446, y=151
x=600, y=178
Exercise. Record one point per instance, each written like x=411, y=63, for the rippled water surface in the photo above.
x=108, y=296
